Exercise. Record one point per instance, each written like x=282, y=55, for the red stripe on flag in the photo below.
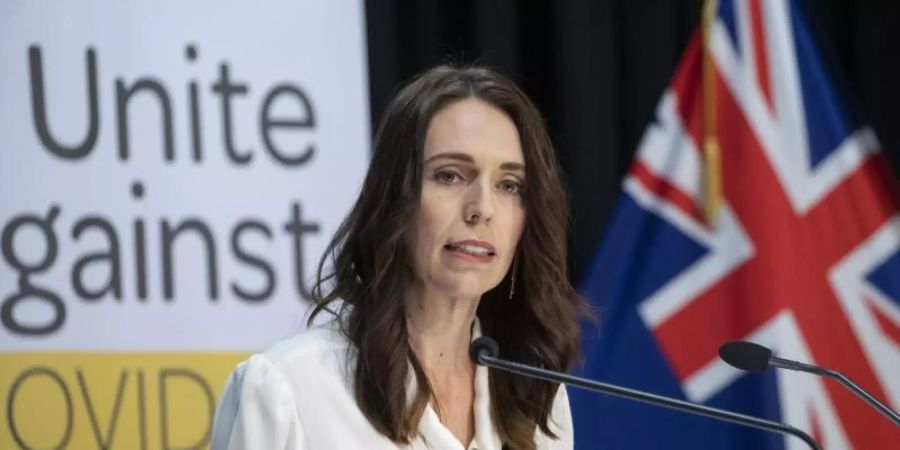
x=815, y=429
x=663, y=189
x=888, y=327
x=688, y=98
x=759, y=51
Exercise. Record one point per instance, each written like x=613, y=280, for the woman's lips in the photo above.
x=472, y=250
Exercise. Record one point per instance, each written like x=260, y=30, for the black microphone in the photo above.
x=484, y=351
x=756, y=358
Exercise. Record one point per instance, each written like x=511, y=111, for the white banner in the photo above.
x=171, y=171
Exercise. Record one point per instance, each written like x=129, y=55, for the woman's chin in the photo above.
x=464, y=287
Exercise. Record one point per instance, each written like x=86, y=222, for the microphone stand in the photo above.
x=482, y=357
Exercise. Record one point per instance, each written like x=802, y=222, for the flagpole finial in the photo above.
x=712, y=164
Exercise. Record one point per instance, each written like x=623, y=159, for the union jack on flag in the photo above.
x=803, y=256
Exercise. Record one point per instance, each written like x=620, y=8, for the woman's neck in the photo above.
x=440, y=329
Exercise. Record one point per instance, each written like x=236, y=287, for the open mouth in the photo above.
x=471, y=249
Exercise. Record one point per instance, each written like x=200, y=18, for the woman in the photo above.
x=460, y=229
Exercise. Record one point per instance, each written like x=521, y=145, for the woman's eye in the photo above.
x=513, y=187
x=447, y=177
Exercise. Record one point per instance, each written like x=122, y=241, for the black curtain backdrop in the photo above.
x=596, y=69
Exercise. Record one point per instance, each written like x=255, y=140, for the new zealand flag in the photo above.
x=802, y=257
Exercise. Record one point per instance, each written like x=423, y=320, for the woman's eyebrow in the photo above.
x=464, y=157
x=457, y=156
x=513, y=166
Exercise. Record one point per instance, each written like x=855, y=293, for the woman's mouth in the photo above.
x=474, y=251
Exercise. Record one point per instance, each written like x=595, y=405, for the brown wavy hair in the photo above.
x=369, y=266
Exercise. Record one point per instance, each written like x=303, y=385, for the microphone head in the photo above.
x=746, y=355
x=483, y=346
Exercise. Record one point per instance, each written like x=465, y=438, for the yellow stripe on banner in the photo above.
x=134, y=401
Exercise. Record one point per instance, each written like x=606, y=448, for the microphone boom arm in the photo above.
x=483, y=358
x=855, y=388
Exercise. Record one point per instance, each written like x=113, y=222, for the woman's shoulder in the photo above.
x=321, y=347
x=319, y=356
x=265, y=397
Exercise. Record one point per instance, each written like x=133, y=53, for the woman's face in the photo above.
x=471, y=212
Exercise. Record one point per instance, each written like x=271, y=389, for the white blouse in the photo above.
x=298, y=395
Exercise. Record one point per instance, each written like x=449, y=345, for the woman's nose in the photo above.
x=479, y=204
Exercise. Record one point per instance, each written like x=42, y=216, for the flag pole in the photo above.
x=712, y=170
